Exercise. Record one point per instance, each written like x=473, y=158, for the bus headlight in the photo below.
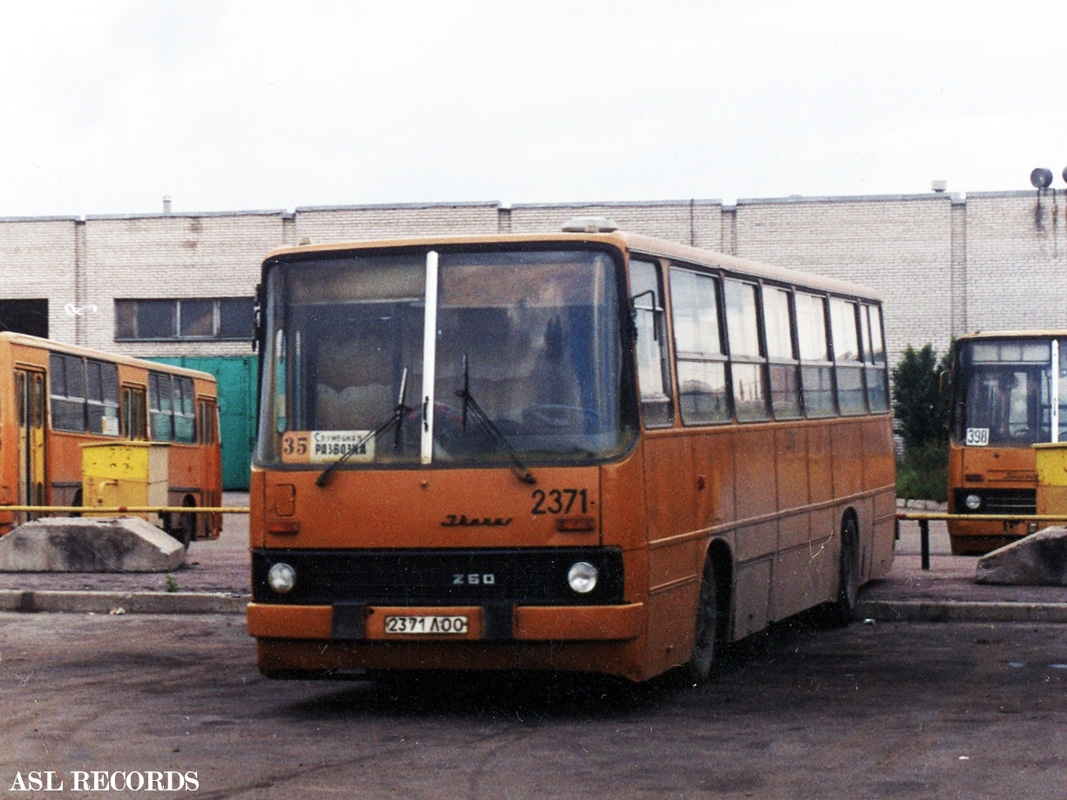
x=582, y=577
x=281, y=578
x=973, y=502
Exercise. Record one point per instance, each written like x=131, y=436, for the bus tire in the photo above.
x=705, y=630
x=184, y=528
x=843, y=607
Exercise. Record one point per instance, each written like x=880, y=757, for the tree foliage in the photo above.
x=920, y=408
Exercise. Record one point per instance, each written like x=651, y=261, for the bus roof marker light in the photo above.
x=590, y=225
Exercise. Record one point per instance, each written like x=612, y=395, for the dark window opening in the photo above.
x=226, y=318
x=24, y=316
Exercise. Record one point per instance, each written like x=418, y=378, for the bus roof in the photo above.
x=633, y=242
x=10, y=338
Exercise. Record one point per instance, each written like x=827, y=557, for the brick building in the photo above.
x=179, y=286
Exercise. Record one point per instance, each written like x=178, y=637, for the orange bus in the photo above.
x=54, y=398
x=587, y=451
x=1008, y=389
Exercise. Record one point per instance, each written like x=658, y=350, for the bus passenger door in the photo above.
x=134, y=413
x=209, y=462
x=30, y=392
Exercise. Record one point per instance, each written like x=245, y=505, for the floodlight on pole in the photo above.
x=1041, y=178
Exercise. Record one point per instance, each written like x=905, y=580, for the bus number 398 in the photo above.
x=560, y=501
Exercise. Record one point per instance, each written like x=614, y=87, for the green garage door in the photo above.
x=236, y=376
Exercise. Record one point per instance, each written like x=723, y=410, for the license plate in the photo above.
x=427, y=625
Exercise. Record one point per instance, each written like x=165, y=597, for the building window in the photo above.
x=185, y=319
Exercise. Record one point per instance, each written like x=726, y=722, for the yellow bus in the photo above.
x=1008, y=393
x=56, y=398
x=587, y=451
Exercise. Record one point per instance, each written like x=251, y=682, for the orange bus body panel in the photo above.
x=987, y=468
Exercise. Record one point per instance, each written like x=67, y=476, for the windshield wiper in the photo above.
x=471, y=405
x=396, y=417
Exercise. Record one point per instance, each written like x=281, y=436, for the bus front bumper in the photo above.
x=492, y=622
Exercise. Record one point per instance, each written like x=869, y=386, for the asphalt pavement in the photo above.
x=215, y=579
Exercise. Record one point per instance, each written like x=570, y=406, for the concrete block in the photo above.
x=68, y=544
x=1039, y=559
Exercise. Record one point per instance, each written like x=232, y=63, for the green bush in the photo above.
x=921, y=414
x=922, y=474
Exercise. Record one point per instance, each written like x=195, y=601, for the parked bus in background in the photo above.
x=55, y=398
x=1008, y=393
x=586, y=451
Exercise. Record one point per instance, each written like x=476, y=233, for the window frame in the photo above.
x=61, y=368
x=783, y=363
x=661, y=347
x=848, y=365
x=692, y=356
x=127, y=319
x=737, y=361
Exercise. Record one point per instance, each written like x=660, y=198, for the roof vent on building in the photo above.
x=939, y=186
x=590, y=225
x=166, y=204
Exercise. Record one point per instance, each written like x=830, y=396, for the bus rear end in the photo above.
x=441, y=427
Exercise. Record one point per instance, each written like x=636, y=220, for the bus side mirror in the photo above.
x=257, y=317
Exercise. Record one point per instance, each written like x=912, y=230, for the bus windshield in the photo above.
x=1005, y=398
x=526, y=361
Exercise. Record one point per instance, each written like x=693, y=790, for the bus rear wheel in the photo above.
x=848, y=584
x=184, y=527
x=706, y=629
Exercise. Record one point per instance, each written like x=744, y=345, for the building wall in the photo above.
x=38, y=260
x=325, y=225
x=172, y=256
x=944, y=265
x=693, y=222
x=1016, y=259
x=901, y=247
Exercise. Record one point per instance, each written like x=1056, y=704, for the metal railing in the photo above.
x=925, y=518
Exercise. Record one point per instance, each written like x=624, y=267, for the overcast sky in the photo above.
x=233, y=105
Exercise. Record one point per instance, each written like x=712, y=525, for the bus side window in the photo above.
x=747, y=362
x=874, y=358
x=68, y=393
x=851, y=396
x=703, y=393
x=653, y=371
x=781, y=352
x=184, y=410
x=816, y=370
x=160, y=404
